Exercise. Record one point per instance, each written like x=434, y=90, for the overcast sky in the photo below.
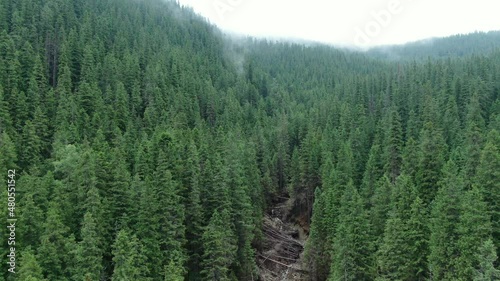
x=351, y=22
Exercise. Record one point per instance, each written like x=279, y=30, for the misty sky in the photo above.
x=351, y=22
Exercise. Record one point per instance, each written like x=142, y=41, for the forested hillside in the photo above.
x=463, y=45
x=148, y=146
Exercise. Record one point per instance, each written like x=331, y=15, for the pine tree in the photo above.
x=89, y=253
x=217, y=185
x=241, y=209
x=445, y=219
x=410, y=156
x=194, y=211
x=373, y=172
x=170, y=211
x=317, y=252
x=121, y=106
x=29, y=268
x=8, y=155
x=451, y=122
x=418, y=239
x=219, y=244
x=147, y=227
x=487, y=257
x=474, y=230
x=380, y=205
x=30, y=155
x=488, y=180
x=473, y=138
x=430, y=162
x=393, y=146
x=56, y=242
x=30, y=221
x=119, y=185
x=128, y=258
x=173, y=272
x=393, y=256
x=351, y=248
x=5, y=119
x=403, y=251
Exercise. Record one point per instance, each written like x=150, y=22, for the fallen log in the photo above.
x=286, y=265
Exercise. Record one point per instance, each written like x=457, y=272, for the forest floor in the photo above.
x=284, y=234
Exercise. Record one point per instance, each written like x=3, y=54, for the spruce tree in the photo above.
x=351, y=260
x=56, y=246
x=89, y=251
x=8, y=155
x=393, y=146
x=128, y=258
x=317, y=252
x=29, y=268
x=488, y=181
x=474, y=230
x=418, y=239
x=430, y=161
x=487, y=257
x=168, y=207
x=445, y=219
x=393, y=255
x=219, y=247
x=194, y=212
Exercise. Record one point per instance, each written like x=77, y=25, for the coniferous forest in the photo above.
x=141, y=143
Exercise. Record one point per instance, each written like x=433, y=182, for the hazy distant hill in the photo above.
x=453, y=46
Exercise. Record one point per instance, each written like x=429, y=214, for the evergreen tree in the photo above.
x=56, y=246
x=474, y=230
x=351, y=248
x=488, y=181
x=393, y=146
x=317, y=252
x=89, y=251
x=430, y=161
x=445, y=219
x=194, y=212
x=128, y=258
x=219, y=244
x=410, y=156
x=29, y=268
x=393, y=257
x=173, y=272
x=380, y=206
x=418, y=239
x=473, y=138
x=487, y=257
x=8, y=155
x=5, y=120
x=31, y=218
x=170, y=211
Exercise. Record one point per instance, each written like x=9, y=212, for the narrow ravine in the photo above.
x=284, y=239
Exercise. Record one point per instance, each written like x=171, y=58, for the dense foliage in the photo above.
x=147, y=147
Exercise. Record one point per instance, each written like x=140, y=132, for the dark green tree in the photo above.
x=430, y=161
x=487, y=257
x=88, y=252
x=445, y=219
x=29, y=268
x=351, y=260
x=128, y=258
x=488, y=181
x=219, y=244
